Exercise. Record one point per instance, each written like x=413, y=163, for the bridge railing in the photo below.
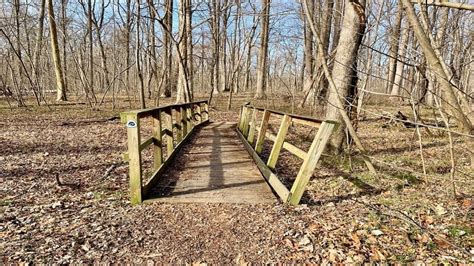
x=171, y=125
x=247, y=128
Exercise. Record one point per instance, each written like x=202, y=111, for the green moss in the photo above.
x=5, y=202
x=431, y=245
x=409, y=178
x=387, y=201
x=403, y=258
x=99, y=195
x=459, y=231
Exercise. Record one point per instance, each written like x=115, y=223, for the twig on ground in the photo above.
x=113, y=118
x=111, y=169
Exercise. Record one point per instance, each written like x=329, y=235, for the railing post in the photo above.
x=178, y=123
x=262, y=132
x=189, y=117
x=309, y=164
x=252, y=126
x=184, y=122
x=157, y=148
x=239, y=125
x=169, y=131
x=199, y=112
x=135, y=167
x=280, y=138
x=206, y=110
x=245, y=123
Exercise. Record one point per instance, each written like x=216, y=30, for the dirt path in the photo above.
x=87, y=217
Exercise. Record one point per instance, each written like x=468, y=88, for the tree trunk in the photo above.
x=397, y=81
x=183, y=92
x=137, y=58
x=215, y=28
x=394, y=46
x=167, y=48
x=353, y=27
x=263, y=53
x=128, y=29
x=308, y=55
x=64, y=38
x=61, y=90
x=38, y=46
x=224, y=86
x=189, y=50
x=337, y=14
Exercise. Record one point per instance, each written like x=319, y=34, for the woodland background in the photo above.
x=397, y=75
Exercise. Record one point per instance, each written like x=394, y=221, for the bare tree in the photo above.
x=435, y=65
x=263, y=52
x=138, y=59
x=167, y=48
x=394, y=47
x=61, y=90
x=344, y=70
x=183, y=93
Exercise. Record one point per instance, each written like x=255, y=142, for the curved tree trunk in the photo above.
x=435, y=64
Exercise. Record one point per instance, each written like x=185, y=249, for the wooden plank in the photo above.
x=157, y=148
x=309, y=164
x=148, y=112
x=253, y=121
x=262, y=132
x=272, y=179
x=146, y=143
x=134, y=162
x=306, y=122
x=300, y=117
x=280, y=139
x=218, y=177
x=169, y=131
x=289, y=147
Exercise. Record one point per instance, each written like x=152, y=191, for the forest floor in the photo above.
x=346, y=216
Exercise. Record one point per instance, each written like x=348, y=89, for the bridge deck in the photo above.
x=213, y=167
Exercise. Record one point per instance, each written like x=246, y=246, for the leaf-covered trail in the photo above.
x=87, y=216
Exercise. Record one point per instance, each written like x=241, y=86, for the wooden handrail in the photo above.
x=246, y=129
x=300, y=119
x=186, y=117
x=149, y=111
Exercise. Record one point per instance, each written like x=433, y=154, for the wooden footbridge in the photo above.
x=194, y=160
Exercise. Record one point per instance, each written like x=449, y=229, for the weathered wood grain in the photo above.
x=135, y=167
x=278, y=144
x=215, y=168
x=309, y=164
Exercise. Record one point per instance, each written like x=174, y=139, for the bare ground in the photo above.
x=346, y=217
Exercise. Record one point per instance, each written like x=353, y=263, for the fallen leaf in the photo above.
x=377, y=232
